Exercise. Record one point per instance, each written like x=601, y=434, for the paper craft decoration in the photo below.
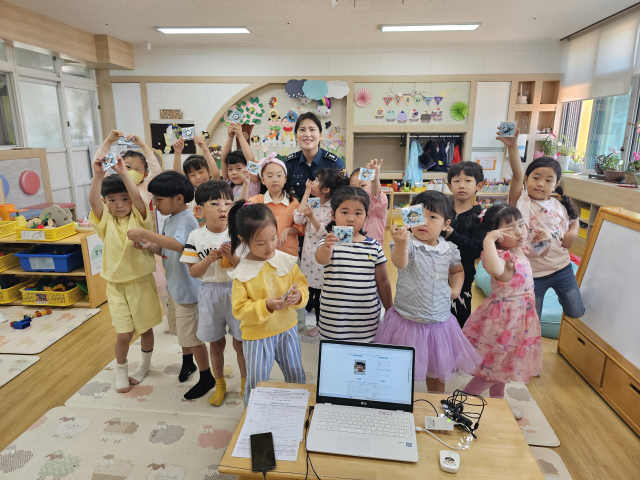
x=459, y=111
x=337, y=89
x=250, y=113
x=292, y=116
x=508, y=129
x=293, y=88
x=327, y=125
x=314, y=202
x=108, y=162
x=254, y=168
x=61, y=216
x=387, y=100
x=368, y=174
x=379, y=113
x=124, y=141
x=397, y=99
x=415, y=115
x=188, y=133
x=235, y=116
x=273, y=114
x=170, y=114
x=206, y=135
x=363, y=97
x=315, y=89
x=273, y=102
x=390, y=116
x=425, y=117
x=417, y=99
x=438, y=100
x=407, y=100
x=344, y=234
x=413, y=216
x=402, y=117
x=427, y=100
x=255, y=139
x=437, y=115
x=323, y=111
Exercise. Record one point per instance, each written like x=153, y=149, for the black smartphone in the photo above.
x=263, y=456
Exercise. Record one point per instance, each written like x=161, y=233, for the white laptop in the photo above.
x=364, y=401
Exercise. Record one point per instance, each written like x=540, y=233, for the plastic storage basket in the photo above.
x=51, y=258
x=45, y=235
x=7, y=228
x=8, y=261
x=56, y=299
x=10, y=294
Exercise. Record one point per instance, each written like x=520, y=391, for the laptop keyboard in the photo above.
x=376, y=424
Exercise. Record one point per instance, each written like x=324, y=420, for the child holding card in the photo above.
x=369, y=180
x=355, y=275
x=245, y=184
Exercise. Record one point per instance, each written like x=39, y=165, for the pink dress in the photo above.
x=377, y=217
x=505, y=329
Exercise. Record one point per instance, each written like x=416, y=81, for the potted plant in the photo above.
x=564, y=151
x=550, y=145
x=611, y=165
x=633, y=170
x=577, y=164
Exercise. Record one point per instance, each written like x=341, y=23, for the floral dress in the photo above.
x=505, y=329
x=308, y=264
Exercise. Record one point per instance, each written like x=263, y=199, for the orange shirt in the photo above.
x=283, y=211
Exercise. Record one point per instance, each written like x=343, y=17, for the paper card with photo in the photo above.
x=125, y=141
x=109, y=161
x=314, y=202
x=508, y=129
x=367, y=174
x=284, y=297
x=413, y=216
x=254, y=168
x=540, y=247
x=188, y=133
x=344, y=234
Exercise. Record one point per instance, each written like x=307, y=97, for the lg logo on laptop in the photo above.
x=363, y=403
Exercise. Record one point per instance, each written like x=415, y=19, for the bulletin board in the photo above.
x=393, y=103
x=25, y=177
x=157, y=137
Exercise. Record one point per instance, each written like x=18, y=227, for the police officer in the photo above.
x=302, y=165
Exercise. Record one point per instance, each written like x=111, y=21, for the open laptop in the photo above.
x=364, y=401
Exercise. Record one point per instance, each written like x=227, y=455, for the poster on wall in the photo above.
x=95, y=248
x=158, y=129
x=487, y=163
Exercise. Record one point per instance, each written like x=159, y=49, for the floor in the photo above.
x=595, y=443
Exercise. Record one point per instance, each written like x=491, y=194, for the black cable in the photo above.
x=307, y=424
x=423, y=400
x=454, y=408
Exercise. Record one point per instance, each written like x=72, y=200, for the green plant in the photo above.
x=550, y=145
x=578, y=157
x=634, y=166
x=565, y=148
x=610, y=161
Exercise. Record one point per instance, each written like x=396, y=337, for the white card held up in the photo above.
x=413, y=216
x=368, y=174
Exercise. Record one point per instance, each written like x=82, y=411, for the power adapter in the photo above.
x=438, y=423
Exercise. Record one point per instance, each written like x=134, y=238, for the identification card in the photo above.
x=508, y=129
x=344, y=234
x=413, y=216
x=254, y=168
x=314, y=202
x=188, y=133
x=124, y=141
x=367, y=174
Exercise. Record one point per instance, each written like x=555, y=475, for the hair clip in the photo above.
x=481, y=216
x=247, y=203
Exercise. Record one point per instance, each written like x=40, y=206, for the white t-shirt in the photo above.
x=199, y=244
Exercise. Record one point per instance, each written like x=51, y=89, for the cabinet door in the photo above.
x=581, y=353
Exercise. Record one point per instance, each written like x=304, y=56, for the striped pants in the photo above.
x=259, y=355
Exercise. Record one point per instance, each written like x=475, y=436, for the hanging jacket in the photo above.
x=429, y=157
x=442, y=156
x=450, y=147
x=456, y=151
x=413, y=173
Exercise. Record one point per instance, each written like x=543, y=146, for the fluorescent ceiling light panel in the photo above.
x=202, y=30
x=431, y=27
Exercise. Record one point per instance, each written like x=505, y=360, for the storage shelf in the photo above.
x=78, y=272
x=83, y=303
x=72, y=240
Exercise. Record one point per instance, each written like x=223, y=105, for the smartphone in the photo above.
x=263, y=456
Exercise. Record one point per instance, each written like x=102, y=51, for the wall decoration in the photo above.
x=293, y=88
x=323, y=111
x=273, y=113
x=415, y=115
x=170, y=114
x=327, y=125
x=159, y=138
x=363, y=97
x=387, y=100
x=292, y=116
x=379, y=113
x=427, y=100
x=438, y=100
x=325, y=101
x=417, y=98
x=287, y=129
x=22, y=182
x=425, y=117
x=337, y=89
x=459, y=111
x=255, y=138
x=397, y=99
x=273, y=102
x=436, y=116
x=315, y=89
x=250, y=114
x=402, y=117
x=390, y=116
x=407, y=100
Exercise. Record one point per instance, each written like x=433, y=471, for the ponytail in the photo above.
x=571, y=211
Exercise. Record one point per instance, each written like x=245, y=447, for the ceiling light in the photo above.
x=430, y=27
x=202, y=30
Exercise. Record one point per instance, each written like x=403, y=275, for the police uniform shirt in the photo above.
x=299, y=171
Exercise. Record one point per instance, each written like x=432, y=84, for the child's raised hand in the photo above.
x=119, y=167
x=137, y=235
x=97, y=166
x=509, y=141
x=499, y=234
x=225, y=250
x=246, y=176
x=307, y=211
x=178, y=146
x=308, y=186
x=276, y=303
x=136, y=139
x=399, y=234
x=376, y=166
x=200, y=143
x=330, y=240
x=295, y=296
x=542, y=235
x=114, y=135
x=231, y=130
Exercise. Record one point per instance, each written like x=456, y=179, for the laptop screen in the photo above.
x=366, y=375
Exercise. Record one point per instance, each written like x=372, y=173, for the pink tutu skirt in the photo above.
x=442, y=350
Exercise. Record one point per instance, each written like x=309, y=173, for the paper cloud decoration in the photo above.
x=294, y=88
x=315, y=89
x=337, y=89
x=323, y=111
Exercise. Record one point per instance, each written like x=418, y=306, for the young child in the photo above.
x=171, y=193
x=378, y=202
x=505, y=329
x=234, y=165
x=429, y=276
x=261, y=283
x=465, y=231
x=355, y=275
x=549, y=220
x=131, y=289
x=208, y=254
x=316, y=220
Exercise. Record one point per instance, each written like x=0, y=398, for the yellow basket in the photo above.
x=56, y=299
x=45, y=235
x=7, y=228
x=8, y=261
x=8, y=295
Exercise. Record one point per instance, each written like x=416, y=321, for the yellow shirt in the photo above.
x=121, y=262
x=255, y=282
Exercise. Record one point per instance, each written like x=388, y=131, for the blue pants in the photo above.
x=564, y=284
x=259, y=355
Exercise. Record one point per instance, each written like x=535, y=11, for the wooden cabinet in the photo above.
x=581, y=353
x=623, y=392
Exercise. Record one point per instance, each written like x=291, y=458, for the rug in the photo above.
x=87, y=443
x=43, y=332
x=13, y=365
x=162, y=392
x=551, y=464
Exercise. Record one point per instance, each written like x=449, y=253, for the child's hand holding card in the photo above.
x=125, y=141
x=368, y=174
x=314, y=202
x=344, y=234
x=508, y=129
x=413, y=216
x=188, y=133
x=254, y=168
x=109, y=161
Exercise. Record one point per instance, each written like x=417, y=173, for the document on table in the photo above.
x=280, y=411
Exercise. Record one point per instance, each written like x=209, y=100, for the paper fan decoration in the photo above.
x=459, y=111
x=363, y=97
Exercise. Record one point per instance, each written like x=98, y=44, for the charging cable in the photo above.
x=463, y=447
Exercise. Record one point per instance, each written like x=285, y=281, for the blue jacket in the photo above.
x=299, y=171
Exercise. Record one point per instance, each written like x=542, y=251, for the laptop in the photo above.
x=364, y=401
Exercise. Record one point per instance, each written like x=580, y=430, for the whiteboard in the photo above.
x=610, y=290
x=492, y=107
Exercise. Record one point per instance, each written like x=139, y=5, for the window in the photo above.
x=608, y=125
x=41, y=115
x=70, y=68
x=3, y=54
x=7, y=132
x=83, y=116
x=30, y=59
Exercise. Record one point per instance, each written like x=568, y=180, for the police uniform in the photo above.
x=299, y=171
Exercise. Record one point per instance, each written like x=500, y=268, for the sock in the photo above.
x=242, y=382
x=188, y=367
x=142, y=369
x=221, y=388
x=205, y=383
x=122, y=378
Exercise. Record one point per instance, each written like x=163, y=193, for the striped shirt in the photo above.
x=349, y=303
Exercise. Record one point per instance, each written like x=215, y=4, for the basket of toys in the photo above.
x=10, y=286
x=7, y=228
x=8, y=260
x=56, y=291
x=54, y=223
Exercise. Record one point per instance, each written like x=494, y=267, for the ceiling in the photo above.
x=314, y=22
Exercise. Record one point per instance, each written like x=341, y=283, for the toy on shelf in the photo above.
x=52, y=284
x=52, y=217
x=8, y=281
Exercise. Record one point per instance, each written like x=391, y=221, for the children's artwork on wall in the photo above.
x=397, y=99
x=273, y=113
x=390, y=116
x=293, y=88
x=327, y=125
x=159, y=138
x=379, y=113
x=425, y=117
x=415, y=115
x=292, y=116
x=438, y=100
x=402, y=117
x=407, y=100
x=427, y=100
x=22, y=182
x=315, y=89
x=436, y=115
x=273, y=102
x=323, y=111
x=337, y=89
x=363, y=97
x=417, y=98
x=387, y=100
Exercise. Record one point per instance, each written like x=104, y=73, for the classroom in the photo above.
x=319, y=239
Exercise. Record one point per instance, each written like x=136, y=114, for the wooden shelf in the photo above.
x=72, y=240
x=78, y=272
x=83, y=303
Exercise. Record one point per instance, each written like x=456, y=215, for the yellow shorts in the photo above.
x=134, y=305
x=183, y=322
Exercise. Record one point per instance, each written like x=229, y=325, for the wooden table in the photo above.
x=500, y=452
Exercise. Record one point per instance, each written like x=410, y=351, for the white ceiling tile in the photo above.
x=380, y=47
x=486, y=47
x=266, y=48
x=433, y=47
x=232, y=49
x=329, y=48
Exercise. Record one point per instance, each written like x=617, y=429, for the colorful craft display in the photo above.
x=387, y=100
x=315, y=89
x=402, y=117
x=363, y=97
x=459, y=111
x=415, y=115
x=425, y=117
x=337, y=89
x=379, y=113
x=52, y=217
x=273, y=102
x=438, y=100
x=390, y=116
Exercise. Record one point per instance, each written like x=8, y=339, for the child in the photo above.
x=261, y=281
x=171, y=193
x=234, y=165
x=379, y=204
x=316, y=219
x=131, y=289
x=549, y=220
x=465, y=232
x=429, y=276
x=355, y=276
x=505, y=329
x=209, y=257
